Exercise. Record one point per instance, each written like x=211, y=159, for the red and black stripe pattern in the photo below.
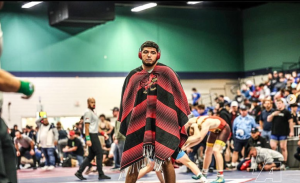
x=153, y=113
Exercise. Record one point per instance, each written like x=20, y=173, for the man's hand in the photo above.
x=32, y=152
x=116, y=142
x=275, y=113
x=105, y=136
x=291, y=134
x=18, y=153
x=55, y=142
x=65, y=150
x=89, y=143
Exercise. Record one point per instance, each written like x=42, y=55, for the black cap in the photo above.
x=243, y=107
x=115, y=109
x=254, y=130
x=294, y=105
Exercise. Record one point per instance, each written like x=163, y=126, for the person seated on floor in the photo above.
x=265, y=159
x=74, y=147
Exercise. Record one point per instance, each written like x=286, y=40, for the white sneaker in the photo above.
x=51, y=168
x=45, y=168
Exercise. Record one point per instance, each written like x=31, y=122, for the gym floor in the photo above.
x=67, y=175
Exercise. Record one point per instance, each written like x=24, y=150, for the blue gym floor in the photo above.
x=67, y=175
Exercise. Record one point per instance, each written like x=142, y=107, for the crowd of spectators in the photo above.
x=261, y=115
x=50, y=145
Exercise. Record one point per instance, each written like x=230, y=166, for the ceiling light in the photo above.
x=194, y=2
x=31, y=4
x=143, y=7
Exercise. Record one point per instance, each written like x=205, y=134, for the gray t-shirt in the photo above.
x=91, y=118
x=24, y=141
x=267, y=155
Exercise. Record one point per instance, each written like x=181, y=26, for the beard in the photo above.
x=149, y=64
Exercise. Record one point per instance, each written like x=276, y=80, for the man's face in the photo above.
x=58, y=125
x=16, y=127
x=102, y=119
x=268, y=105
x=275, y=74
x=200, y=111
x=280, y=105
x=244, y=112
x=255, y=135
x=115, y=113
x=45, y=121
x=18, y=135
x=234, y=108
x=253, y=153
x=72, y=137
x=294, y=108
x=92, y=103
x=149, y=56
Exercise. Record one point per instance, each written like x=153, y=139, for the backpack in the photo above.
x=67, y=162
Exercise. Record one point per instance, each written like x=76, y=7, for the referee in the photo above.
x=92, y=141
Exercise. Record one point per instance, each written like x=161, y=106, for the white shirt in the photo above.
x=43, y=136
x=91, y=118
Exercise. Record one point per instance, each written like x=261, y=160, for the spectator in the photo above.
x=47, y=138
x=256, y=92
x=255, y=110
x=106, y=127
x=246, y=92
x=226, y=100
x=247, y=103
x=250, y=86
x=26, y=145
x=296, y=120
x=119, y=141
x=280, y=85
x=62, y=139
x=195, y=97
x=239, y=98
x=223, y=113
x=74, y=148
x=13, y=132
x=297, y=154
x=256, y=141
x=267, y=159
x=201, y=110
x=242, y=126
x=30, y=133
x=264, y=124
x=282, y=126
x=264, y=92
x=194, y=111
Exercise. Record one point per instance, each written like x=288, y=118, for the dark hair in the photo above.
x=15, y=126
x=222, y=96
x=221, y=104
x=107, y=119
x=102, y=115
x=81, y=117
x=150, y=44
x=261, y=84
x=201, y=106
x=194, y=89
x=77, y=133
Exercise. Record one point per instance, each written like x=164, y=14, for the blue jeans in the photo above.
x=49, y=155
x=78, y=157
x=118, y=153
x=266, y=135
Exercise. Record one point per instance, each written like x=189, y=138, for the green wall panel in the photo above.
x=271, y=35
x=190, y=40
